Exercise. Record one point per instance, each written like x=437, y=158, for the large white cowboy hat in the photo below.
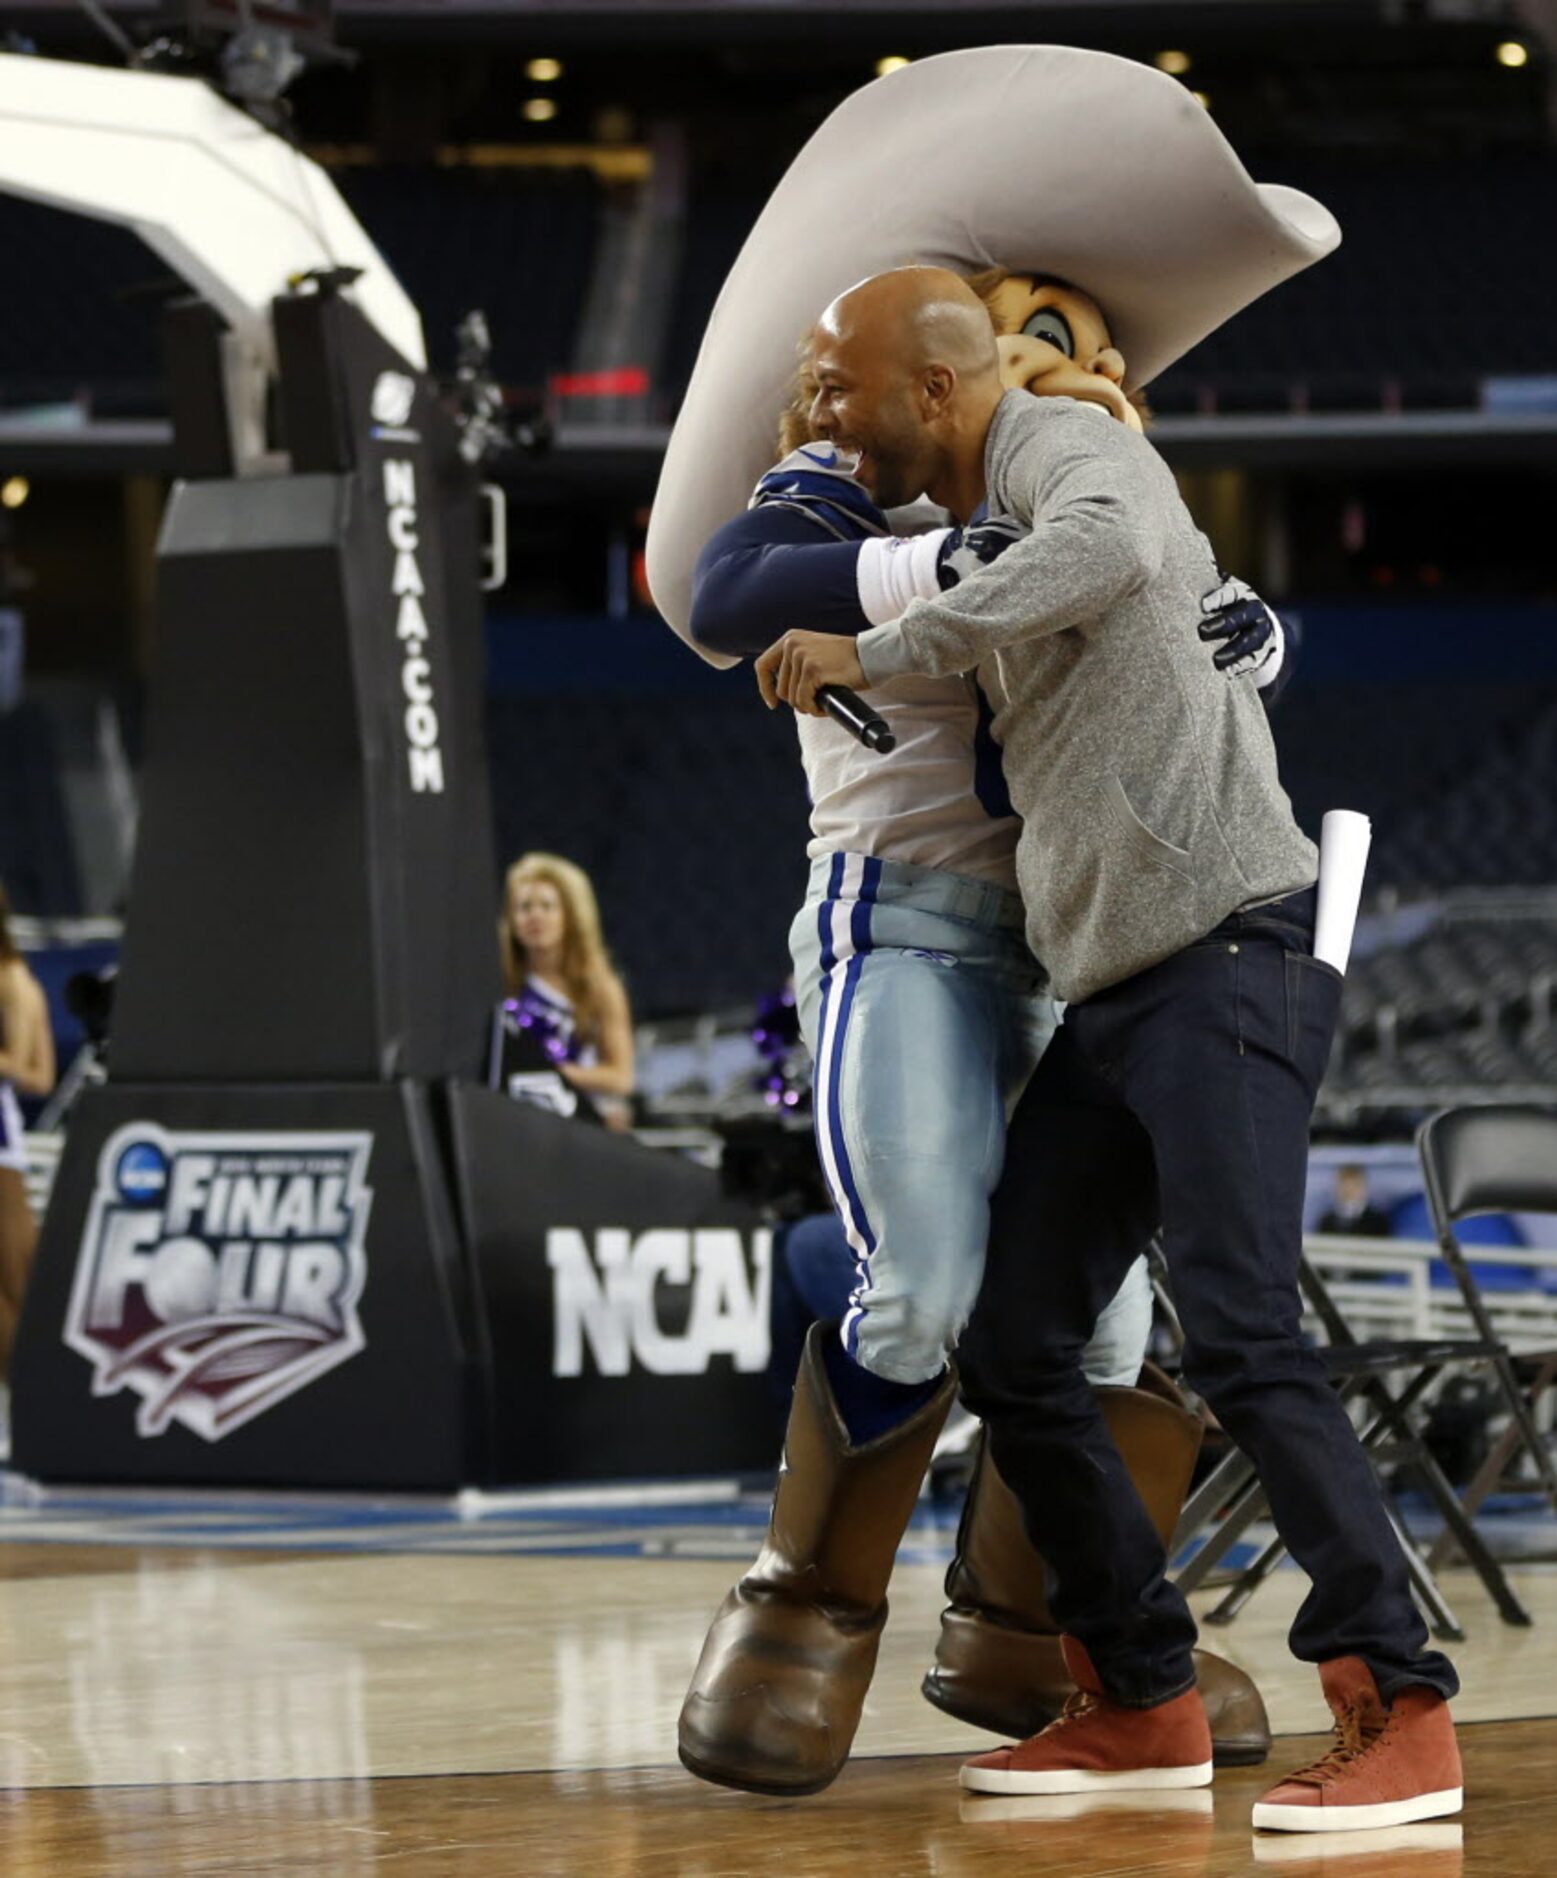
x=1037, y=158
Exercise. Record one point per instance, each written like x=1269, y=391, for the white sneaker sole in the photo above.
x=982, y=1809
x=1269, y=1818
x=1439, y=1836
x=1080, y=1780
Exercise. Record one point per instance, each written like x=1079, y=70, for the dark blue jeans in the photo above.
x=1183, y=1095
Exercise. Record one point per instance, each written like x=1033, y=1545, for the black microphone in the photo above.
x=848, y=708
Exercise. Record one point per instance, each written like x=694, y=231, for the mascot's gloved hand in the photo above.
x=1247, y=634
x=966, y=550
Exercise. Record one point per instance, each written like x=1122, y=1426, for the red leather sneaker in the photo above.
x=1389, y=1766
x=1098, y=1744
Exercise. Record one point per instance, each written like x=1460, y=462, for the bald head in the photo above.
x=917, y=316
x=907, y=372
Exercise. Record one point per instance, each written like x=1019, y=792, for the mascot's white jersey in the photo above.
x=922, y=803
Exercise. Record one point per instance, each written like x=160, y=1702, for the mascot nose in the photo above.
x=1111, y=364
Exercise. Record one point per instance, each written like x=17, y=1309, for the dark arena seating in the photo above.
x=1495, y=824
x=1458, y=778
x=1452, y=985
x=690, y=815
x=1377, y=325
x=87, y=324
x=1470, y=1003
x=37, y=861
x=1421, y=238
x=515, y=242
x=720, y=217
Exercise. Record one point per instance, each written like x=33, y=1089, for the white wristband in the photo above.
x=894, y=569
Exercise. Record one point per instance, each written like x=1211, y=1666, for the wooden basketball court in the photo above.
x=258, y=1685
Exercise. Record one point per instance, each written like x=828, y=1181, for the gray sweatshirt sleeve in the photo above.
x=1098, y=530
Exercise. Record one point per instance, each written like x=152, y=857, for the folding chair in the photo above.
x=1498, y=1158
x=1392, y=1435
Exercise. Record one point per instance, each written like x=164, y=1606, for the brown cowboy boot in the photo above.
x=778, y=1690
x=998, y=1664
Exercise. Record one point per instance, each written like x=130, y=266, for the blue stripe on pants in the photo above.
x=829, y=1115
x=824, y=920
x=859, y=924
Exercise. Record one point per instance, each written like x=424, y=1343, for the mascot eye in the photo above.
x=1053, y=328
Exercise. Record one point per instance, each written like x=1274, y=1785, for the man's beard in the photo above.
x=891, y=472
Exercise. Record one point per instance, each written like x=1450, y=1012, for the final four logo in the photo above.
x=220, y=1273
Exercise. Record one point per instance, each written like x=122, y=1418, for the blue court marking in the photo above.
x=696, y=1527
x=666, y=1526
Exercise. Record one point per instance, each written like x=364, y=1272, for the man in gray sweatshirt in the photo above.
x=1170, y=895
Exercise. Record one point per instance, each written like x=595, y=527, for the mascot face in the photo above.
x=1055, y=343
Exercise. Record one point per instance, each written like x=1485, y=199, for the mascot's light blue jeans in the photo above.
x=924, y=1015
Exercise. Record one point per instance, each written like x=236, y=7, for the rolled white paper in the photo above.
x=1344, y=839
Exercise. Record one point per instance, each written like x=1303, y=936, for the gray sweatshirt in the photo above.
x=1145, y=778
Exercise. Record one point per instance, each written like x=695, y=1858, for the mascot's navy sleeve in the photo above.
x=767, y=572
x=774, y=569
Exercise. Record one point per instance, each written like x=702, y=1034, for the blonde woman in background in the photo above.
x=562, y=987
x=26, y=1064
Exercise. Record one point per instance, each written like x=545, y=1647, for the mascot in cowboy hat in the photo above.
x=1108, y=227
